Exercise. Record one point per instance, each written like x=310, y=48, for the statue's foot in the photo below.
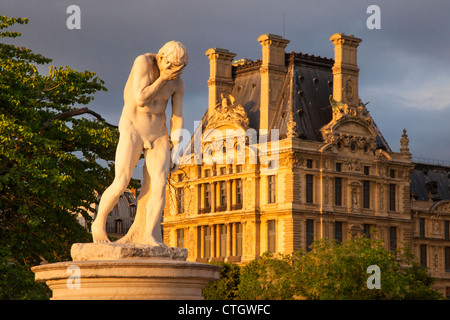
x=151, y=241
x=99, y=233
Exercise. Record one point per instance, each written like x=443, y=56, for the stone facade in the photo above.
x=304, y=160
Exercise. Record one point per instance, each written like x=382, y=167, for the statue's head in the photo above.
x=175, y=53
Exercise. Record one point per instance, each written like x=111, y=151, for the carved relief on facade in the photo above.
x=353, y=165
x=290, y=159
x=356, y=229
x=358, y=116
x=381, y=197
x=441, y=207
x=226, y=113
x=355, y=187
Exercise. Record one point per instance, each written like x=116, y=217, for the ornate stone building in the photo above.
x=287, y=153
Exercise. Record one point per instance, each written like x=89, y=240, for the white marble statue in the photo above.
x=154, y=80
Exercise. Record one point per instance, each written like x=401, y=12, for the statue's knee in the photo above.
x=158, y=189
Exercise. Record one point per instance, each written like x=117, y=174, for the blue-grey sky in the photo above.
x=404, y=66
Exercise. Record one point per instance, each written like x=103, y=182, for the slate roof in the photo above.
x=306, y=90
x=430, y=180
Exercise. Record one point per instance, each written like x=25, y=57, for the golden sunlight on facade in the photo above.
x=287, y=153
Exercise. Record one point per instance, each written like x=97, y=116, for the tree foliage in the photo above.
x=330, y=271
x=226, y=288
x=50, y=162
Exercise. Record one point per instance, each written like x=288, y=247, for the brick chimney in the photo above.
x=273, y=72
x=220, y=75
x=345, y=69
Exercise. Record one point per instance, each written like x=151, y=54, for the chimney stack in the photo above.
x=220, y=76
x=345, y=69
x=273, y=72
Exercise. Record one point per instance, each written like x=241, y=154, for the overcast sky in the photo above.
x=404, y=66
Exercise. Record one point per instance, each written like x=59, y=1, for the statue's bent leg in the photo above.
x=128, y=153
x=158, y=164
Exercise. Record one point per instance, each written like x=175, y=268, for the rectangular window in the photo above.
x=239, y=191
x=447, y=259
x=366, y=194
x=239, y=168
x=393, y=238
x=309, y=234
x=223, y=240
x=180, y=200
x=207, y=173
x=309, y=188
x=271, y=236
x=238, y=239
x=207, y=242
x=223, y=193
x=422, y=227
x=338, y=167
x=366, y=170
x=309, y=163
x=223, y=171
x=338, y=231
x=366, y=230
x=271, y=189
x=119, y=226
x=423, y=255
x=338, y=191
x=392, y=197
x=207, y=195
x=392, y=173
x=180, y=238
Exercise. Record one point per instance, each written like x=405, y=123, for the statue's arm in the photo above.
x=176, y=124
x=144, y=89
x=177, y=120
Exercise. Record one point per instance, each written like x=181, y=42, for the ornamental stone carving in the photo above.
x=226, y=113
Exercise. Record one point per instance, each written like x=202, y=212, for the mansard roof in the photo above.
x=306, y=93
x=430, y=182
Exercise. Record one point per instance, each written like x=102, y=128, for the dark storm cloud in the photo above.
x=404, y=66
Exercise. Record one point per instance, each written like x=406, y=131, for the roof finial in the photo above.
x=404, y=144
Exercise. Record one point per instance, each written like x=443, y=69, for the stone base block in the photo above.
x=115, y=251
x=126, y=279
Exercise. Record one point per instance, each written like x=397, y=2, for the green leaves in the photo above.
x=330, y=271
x=49, y=164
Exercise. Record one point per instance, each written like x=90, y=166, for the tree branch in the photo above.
x=73, y=113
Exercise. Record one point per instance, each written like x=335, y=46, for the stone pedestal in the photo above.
x=126, y=272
